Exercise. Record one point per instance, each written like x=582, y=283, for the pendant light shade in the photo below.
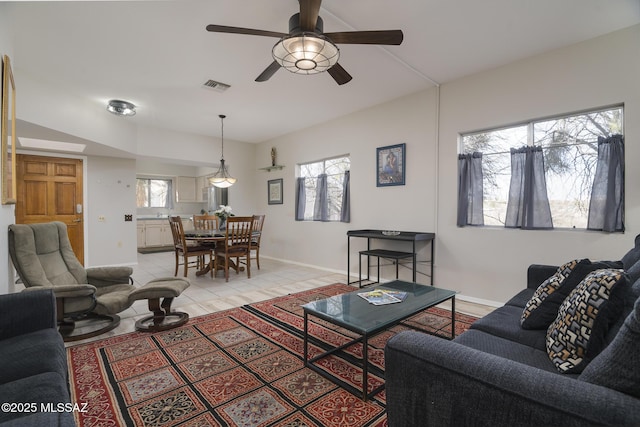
x=222, y=178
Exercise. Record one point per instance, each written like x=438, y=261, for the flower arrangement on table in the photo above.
x=223, y=212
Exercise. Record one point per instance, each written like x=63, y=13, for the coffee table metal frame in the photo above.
x=374, y=320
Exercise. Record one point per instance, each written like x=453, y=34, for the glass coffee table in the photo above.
x=354, y=313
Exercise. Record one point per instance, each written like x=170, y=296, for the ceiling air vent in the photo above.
x=217, y=86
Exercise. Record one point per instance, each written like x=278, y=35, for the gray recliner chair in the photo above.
x=43, y=257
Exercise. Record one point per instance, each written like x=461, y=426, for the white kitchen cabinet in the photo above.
x=141, y=233
x=158, y=233
x=186, y=189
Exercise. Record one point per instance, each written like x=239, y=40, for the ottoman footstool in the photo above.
x=162, y=318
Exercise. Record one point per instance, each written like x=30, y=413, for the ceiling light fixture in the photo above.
x=222, y=178
x=121, y=108
x=305, y=52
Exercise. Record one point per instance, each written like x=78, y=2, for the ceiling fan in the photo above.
x=306, y=49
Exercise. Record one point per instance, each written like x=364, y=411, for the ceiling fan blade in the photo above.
x=389, y=37
x=339, y=74
x=248, y=31
x=268, y=72
x=309, y=10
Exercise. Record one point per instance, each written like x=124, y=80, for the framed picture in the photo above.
x=274, y=191
x=8, y=134
x=390, y=165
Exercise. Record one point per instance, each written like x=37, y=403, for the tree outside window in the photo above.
x=570, y=149
x=154, y=193
x=334, y=169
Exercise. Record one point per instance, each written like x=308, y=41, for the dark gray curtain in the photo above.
x=528, y=204
x=470, y=190
x=301, y=199
x=321, y=205
x=345, y=213
x=606, y=207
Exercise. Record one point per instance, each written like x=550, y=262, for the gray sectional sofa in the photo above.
x=34, y=388
x=499, y=373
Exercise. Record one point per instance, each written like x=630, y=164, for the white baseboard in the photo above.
x=461, y=297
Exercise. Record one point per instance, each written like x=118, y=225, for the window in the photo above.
x=570, y=147
x=323, y=190
x=154, y=193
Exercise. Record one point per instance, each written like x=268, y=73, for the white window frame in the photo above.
x=310, y=185
x=169, y=197
x=492, y=208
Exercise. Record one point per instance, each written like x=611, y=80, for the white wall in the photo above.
x=7, y=212
x=482, y=263
x=491, y=263
x=411, y=207
x=111, y=192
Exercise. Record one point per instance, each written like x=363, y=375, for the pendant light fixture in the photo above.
x=222, y=178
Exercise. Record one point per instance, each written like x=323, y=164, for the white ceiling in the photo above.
x=157, y=54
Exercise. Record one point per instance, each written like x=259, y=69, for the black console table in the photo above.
x=406, y=236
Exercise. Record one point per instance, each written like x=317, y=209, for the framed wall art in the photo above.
x=8, y=133
x=274, y=191
x=390, y=165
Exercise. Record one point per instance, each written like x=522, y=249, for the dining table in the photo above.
x=209, y=235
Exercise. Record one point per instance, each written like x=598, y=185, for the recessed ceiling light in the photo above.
x=121, y=108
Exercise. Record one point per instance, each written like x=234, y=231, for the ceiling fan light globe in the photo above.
x=306, y=53
x=306, y=64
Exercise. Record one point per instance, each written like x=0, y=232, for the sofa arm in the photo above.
x=107, y=276
x=435, y=382
x=26, y=312
x=538, y=273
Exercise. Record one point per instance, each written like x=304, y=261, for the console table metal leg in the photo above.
x=433, y=254
x=348, y=260
x=414, y=262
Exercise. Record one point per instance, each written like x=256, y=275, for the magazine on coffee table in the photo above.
x=383, y=296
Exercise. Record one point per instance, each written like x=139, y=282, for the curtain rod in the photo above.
x=568, y=144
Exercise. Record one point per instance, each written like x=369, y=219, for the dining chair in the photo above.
x=205, y=222
x=236, y=244
x=187, y=251
x=258, y=223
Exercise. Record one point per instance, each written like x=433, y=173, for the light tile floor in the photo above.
x=207, y=295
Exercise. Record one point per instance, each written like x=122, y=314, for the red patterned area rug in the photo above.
x=240, y=367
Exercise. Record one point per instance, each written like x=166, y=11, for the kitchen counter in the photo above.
x=164, y=217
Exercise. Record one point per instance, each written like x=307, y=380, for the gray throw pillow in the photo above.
x=617, y=366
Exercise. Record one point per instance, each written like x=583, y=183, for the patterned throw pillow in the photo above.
x=578, y=333
x=543, y=306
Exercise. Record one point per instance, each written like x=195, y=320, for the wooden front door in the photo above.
x=50, y=189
